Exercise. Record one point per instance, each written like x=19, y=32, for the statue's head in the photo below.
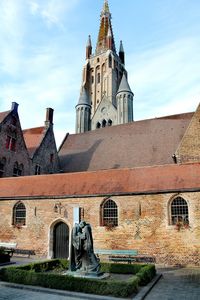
x=82, y=224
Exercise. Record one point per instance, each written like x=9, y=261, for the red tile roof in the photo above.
x=168, y=178
x=3, y=115
x=141, y=143
x=33, y=138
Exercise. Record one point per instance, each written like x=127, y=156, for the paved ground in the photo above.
x=177, y=284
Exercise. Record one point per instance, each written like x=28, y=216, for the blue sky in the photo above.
x=42, y=52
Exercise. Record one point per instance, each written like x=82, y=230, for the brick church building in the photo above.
x=136, y=182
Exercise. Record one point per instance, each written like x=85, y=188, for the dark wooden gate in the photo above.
x=61, y=240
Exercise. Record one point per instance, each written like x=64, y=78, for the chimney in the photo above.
x=49, y=117
x=14, y=107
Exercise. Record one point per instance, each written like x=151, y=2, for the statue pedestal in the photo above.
x=89, y=275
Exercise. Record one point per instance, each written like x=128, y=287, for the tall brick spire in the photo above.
x=105, y=26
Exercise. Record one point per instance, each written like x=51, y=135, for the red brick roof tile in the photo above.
x=33, y=138
x=3, y=115
x=168, y=178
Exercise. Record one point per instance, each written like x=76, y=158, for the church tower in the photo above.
x=105, y=89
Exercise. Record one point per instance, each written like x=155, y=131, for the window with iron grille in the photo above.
x=179, y=211
x=109, y=213
x=19, y=214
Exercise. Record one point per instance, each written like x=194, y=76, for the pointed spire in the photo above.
x=105, y=8
x=88, y=48
x=124, y=86
x=109, y=39
x=122, y=53
x=105, y=27
x=89, y=43
x=121, y=48
x=84, y=98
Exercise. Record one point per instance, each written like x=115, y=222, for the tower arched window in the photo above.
x=104, y=123
x=19, y=214
x=109, y=213
x=179, y=211
x=98, y=77
x=98, y=125
x=109, y=122
x=110, y=61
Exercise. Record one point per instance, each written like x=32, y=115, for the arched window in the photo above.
x=179, y=211
x=19, y=214
x=109, y=213
x=98, y=125
x=109, y=122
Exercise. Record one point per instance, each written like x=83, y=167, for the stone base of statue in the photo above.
x=89, y=275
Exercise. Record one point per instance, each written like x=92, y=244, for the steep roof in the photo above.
x=142, y=143
x=105, y=26
x=3, y=115
x=84, y=98
x=170, y=178
x=124, y=86
x=33, y=138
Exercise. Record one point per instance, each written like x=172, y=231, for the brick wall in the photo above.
x=188, y=150
x=144, y=224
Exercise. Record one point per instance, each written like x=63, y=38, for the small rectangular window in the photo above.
x=51, y=157
x=8, y=139
x=37, y=170
x=13, y=144
x=10, y=143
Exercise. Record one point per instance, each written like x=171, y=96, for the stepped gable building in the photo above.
x=14, y=158
x=41, y=145
x=136, y=183
x=29, y=152
x=105, y=98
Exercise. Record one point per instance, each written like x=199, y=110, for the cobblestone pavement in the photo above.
x=177, y=284
x=9, y=292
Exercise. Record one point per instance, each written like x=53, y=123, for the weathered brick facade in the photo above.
x=21, y=151
x=188, y=150
x=144, y=212
x=13, y=152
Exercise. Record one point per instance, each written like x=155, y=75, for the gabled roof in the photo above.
x=3, y=115
x=33, y=138
x=142, y=143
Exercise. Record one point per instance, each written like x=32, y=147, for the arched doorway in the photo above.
x=61, y=240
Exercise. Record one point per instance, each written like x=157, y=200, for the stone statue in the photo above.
x=82, y=257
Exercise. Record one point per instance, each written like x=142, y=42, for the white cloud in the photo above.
x=165, y=80
x=53, y=12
